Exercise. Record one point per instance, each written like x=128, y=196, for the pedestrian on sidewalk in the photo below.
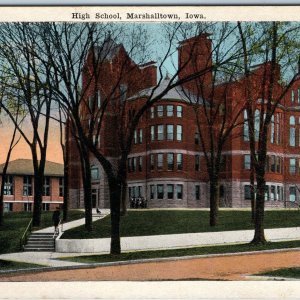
x=56, y=219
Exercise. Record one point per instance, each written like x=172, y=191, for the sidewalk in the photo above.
x=148, y=242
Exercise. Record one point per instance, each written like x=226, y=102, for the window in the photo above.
x=133, y=164
x=46, y=206
x=179, y=133
x=152, y=128
x=152, y=112
x=151, y=162
x=273, y=163
x=27, y=206
x=179, y=161
x=197, y=192
x=278, y=164
x=247, y=192
x=140, y=158
x=273, y=129
x=272, y=193
x=141, y=136
x=278, y=196
x=159, y=161
x=256, y=124
x=129, y=165
x=8, y=185
x=179, y=111
x=170, y=158
x=293, y=96
x=98, y=99
x=292, y=191
x=152, y=191
x=46, y=186
x=94, y=173
x=27, y=186
x=170, y=132
x=160, y=111
x=292, y=166
x=179, y=189
x=170, y=191
x=197, y=162
x=170, y=110
x=292, y=131
x=61, y=186
x=246, y=127
x=8, y=207
x=267, y=196
x=160, y=132
x=278, y=129
x=135, y=137
x=140, y=191
x=160, y=191
x=247, y=162
x=197, y=138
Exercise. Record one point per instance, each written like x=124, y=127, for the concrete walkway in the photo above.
x=150, y=242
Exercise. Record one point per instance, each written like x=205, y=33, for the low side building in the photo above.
x=19, y=186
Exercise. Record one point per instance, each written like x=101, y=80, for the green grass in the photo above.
x=156, y=222
x=286, y=272
x=6, y=265
x=182, y=252
x=15, y=224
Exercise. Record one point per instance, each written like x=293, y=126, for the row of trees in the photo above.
x=42, y=67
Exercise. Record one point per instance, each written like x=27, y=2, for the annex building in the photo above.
x=19, y=186
x=166, y=164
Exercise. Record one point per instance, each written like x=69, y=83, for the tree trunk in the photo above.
x=87, y=186
x=123, y=199
x=259, y=235
x=115, y=201
x=252, y=190
x=1, y=199
x=38, y=195
x=214, y=200
x=66, y=192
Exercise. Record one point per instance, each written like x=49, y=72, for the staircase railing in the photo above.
x=24, y=237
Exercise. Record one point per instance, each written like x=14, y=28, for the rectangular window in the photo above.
x=197, y=162
x=152, y=112
x=247, y=192
x=27, y=185
x=272, y=197
x=160, y=111
x=197, y=138
x=160, y=161
x=94, y=173
x=170, y=158
x=141, y=136
x=46, y=186
x=46, y=206
x=151, y=162
x=273, y=163
x=135, y=137
x=179, y=111
x=197, y=192
x=179, y=133
x=133, y=164
x=278, y=197
x=170, y=189
x=246, y=127
x=160, y=132
x=152, y=129
x=8, y=207
x=292, y=166
x=140, y=191
x=140, y=158
x=27, y=206
x=267, y=196
x=292, y=136
x=247, y=162
x=160, y=191
x=293, y=96
x=170, y=110
x=9, y=185
x=277, y=164
x=170, y=132
x=152, y=191
x=61, y=186
x=273, y=129
x=292, y=191
x=179, y=161
x=179, y=189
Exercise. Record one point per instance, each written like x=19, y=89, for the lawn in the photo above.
x=156, y=222
x=182, y=252
x=6, y=265
x=15, y=224
x=287, y=272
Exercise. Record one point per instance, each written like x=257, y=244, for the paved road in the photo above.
x=235, y=267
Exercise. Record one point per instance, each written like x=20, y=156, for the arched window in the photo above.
x=246, y=127
x=292, y=131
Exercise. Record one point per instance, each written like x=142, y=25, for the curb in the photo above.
x=138, y=261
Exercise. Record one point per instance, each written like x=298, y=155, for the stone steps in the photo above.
x=40, y=242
